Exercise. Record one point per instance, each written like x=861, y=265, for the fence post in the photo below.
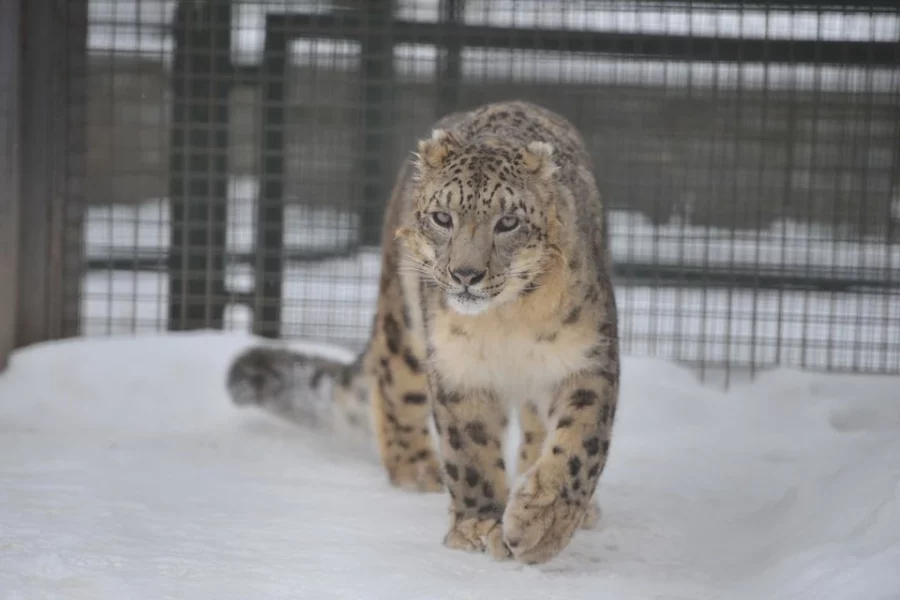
x=269, y=248
x=10, y=22
x=377, y=87
x=198, y=184
x=449, y=67
x=44, y=121
x=73, y=242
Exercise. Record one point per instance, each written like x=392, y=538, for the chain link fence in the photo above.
x=239, y=154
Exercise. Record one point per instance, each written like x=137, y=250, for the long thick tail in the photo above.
x=302, y=388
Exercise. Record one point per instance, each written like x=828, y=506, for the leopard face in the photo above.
x=484, y=225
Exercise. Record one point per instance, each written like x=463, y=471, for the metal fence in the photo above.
x=237, y=156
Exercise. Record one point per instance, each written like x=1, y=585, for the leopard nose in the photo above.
x=467, y=275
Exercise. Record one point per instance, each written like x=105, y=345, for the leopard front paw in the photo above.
x=478, y=535
x=542, y=516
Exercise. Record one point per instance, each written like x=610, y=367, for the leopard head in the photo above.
x=485, y=225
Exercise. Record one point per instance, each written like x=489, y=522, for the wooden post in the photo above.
x=10, y=23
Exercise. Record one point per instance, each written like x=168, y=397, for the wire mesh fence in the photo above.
x=240, y=154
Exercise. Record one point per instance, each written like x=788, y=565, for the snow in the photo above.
x=145, y=227
x=126, y=473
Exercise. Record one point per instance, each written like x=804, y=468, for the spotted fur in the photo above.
x=495, y=297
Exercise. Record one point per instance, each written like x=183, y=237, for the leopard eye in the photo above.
x=507, y=223
x=442, y=218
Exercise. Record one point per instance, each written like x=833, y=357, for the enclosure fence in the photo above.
x=215, y=164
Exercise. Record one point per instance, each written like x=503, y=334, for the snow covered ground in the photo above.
x=126, y=473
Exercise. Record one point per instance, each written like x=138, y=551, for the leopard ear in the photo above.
x=433, y=152
x=537, y=158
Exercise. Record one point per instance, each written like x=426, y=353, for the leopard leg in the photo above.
x=552, y=499
x=533, y=434
x=401, y=407
x=471, y=425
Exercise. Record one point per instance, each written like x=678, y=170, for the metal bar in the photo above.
x=750, y=278
x=449, y=68
x=201, y=81
x=268, y=259
x=650, y=274
x=671, y=47
x=376, y=91
x=10, y=43
x=793, y=5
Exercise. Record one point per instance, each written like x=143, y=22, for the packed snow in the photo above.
x=125, y=472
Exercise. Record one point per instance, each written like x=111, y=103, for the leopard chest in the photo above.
x=520, y=363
